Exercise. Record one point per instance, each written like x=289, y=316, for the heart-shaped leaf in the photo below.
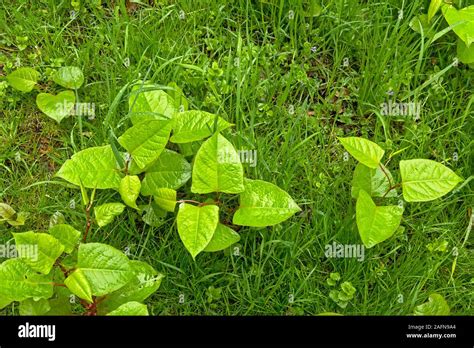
x=196, y=226
x=23, y=79
x=56, y=106
x=363, y=150
x=171, y=170
x=69, y=76
x=425, y=180
x=94, y=167
x=217, y=167
x=376, y=224
x=372, y=181
x=264, y=204
x=105, y=213
x=129, y=190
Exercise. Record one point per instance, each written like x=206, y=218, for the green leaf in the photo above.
x=146, y=104
x=19, y=221
x=19, y=282
x=32, y=307
x=7, y=212
x=264, y=204
x=105, y=268
x=146, y=140
x=196, y=226
x=363, y=150
x=60, y=302
x=95, y=167
x=79, y=285
x=462, y=22
x=372, y=181
x=177, y=94
x=105, y=213
x=130, y=309
x=223, y=238
x=69, y=77
x=165, y=198
x=464, y=53
x=217, y=167
x=425, y=180
x=421, y=24
x=145, y=282
x=57, y=106
x=196, y=125
x=129, y=190
x=23, y=79
x=38, y=250
x=67, y=235
x=436, y=305
x=171, y=170
x=376, y=224
x=434, y=7
x=154, y=215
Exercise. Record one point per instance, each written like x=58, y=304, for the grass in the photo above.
x=285, y=86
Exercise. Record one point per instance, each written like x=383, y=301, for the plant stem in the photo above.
x=390, y=189
x=386, y=175
x=88, y=222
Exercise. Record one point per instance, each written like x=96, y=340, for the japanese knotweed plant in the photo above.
x=422, y=180
x=461, y=21
x=47, y=272
x=153, y=164
x=56, y=106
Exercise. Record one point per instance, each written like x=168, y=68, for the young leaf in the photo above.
x=57, y=106
x=223, y=238
x=434, y=7
x=376, y=224
x=196, y=125
x=20, y=282
x=67, y=235
x=165, y=198
x=436, y=305
x=462, y=22
x=32, y=307
x=95, y=167
x=372, y=181
x=145, y=282
x=171, y=170
x=217, y=167
x=264, y=204
x=146, y=140
x=146, y=104
x=425, y=180
x=177, y=94
x=196, y=226
x=464, y=53
x=7, y=212
x=69, y=77
x=363, y=150
x=23, y=79
x=129, y=190
x=154, y=215
x=79, y=285
x=105, y=268
x=38, y=250
x=105, y=213
x=130, y=309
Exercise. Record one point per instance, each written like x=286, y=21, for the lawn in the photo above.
x=292, y=78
